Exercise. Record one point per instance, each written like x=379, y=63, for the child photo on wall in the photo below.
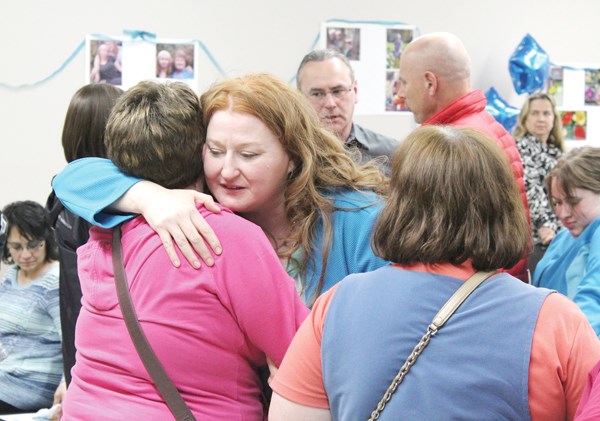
x=106, y=62
x=345, y=41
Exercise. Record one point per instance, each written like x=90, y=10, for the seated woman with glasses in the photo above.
x=30, y=341
x=571, y=264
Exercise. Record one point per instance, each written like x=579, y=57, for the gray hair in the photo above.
x=322, y=55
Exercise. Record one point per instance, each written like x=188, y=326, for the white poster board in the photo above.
x=124, y=62
x=374, y=51
x=576, y=90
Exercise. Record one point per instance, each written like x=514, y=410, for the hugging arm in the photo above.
x=174, y=217
x=96, y=190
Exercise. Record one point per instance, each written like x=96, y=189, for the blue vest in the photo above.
x=475, y=368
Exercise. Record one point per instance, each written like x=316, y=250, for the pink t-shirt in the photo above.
x=211, y=328
x=564, y=349
x=589, y=406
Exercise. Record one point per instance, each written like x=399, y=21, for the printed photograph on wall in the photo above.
x=574, y=124
x=592, y=87
x=393, y=102
x=175, y=61
x=374, y=57
x=345, y=41
x=105, y=61
x=397, y=40
x=554, y=85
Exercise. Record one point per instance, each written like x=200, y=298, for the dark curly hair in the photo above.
x=33, y=223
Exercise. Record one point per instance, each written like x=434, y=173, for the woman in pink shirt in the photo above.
x=212, y=329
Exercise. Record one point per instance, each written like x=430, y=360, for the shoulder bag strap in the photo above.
x=447, y=310
x=164, y=384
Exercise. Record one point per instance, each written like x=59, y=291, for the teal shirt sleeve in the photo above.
x=571, y=266
x=352, y=226
x=360, y=230
x=88, y=186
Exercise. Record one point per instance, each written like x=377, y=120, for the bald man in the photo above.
x=435, y=82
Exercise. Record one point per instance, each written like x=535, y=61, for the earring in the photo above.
x=290, y=173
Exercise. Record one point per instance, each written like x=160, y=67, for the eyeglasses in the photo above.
x=337, y=93
x=31, y=246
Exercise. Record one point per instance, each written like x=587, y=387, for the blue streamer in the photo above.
x=368, y=22
x=312, y=47
x=211, y=58
x=134, y=34
x=316, y=41
x=51, y=75
x=143, y=35
x=150, y=37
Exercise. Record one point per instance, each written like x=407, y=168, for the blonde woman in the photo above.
x=164, y=64
x=540, y=142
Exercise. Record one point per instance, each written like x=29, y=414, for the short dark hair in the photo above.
x=85, y=122
x=322, y=55
x=33, y=222
x=155, y=132
x=578, y=169
x=453, y=197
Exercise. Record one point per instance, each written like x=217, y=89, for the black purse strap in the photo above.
x=164, y=384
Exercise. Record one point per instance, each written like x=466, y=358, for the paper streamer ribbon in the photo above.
x=50, y=76
x=145, y=36
x=142, y=36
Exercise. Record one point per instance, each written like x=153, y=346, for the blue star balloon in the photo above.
x=500, y=110
x=529, y=66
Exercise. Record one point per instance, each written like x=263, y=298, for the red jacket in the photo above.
x=469, y=111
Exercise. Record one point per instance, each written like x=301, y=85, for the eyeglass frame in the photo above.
x=30, y=246
x=319, y=95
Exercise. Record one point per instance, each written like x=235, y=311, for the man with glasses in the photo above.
x=326, y=78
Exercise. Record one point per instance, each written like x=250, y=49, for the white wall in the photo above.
x=263, y=35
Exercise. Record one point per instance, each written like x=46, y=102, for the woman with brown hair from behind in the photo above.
x=453, y=210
